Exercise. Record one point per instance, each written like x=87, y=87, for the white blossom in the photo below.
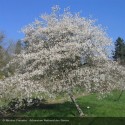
x=51, y=64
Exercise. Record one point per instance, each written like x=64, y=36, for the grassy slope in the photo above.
x=106, y=107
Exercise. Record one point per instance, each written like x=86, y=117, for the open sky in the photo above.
x=15, y=14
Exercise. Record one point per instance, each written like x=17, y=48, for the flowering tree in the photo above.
x=63, y=51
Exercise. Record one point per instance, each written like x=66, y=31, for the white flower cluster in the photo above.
x=51, y=63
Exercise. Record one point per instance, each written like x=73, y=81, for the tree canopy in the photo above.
x=63, y=51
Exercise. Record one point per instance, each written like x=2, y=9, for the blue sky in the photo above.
x=15, y=14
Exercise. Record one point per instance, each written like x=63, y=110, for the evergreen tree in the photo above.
x=119, y=53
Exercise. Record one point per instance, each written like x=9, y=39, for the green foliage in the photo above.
x=119, y=53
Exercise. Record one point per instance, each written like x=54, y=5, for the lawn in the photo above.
x=91, y=106
x=96, y=111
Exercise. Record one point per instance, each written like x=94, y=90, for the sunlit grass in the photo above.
x=91, y=106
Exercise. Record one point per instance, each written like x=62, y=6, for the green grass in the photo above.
x=106, y=107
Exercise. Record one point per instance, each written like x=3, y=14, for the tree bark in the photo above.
x=119, y=96
x=81, y=114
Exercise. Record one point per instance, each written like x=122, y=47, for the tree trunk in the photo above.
x=81, y=114
x=119, y=96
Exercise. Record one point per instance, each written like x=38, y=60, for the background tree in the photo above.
x=119, y=53
x=18, y=47
x=64, y=51
x=3, y=55
x=1, y=36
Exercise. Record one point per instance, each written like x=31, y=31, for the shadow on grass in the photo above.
x=66, y=109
